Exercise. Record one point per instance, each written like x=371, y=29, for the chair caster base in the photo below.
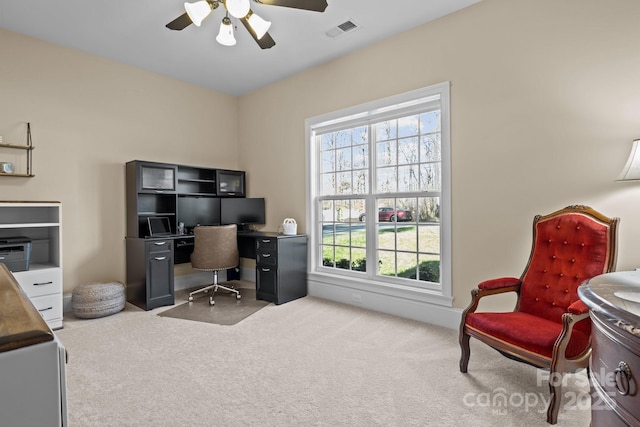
x=211, y=302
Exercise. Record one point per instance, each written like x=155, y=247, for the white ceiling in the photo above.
x=134, y=33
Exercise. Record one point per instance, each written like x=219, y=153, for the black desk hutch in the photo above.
x=161, y=189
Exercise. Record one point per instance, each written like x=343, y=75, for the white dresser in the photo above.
x=41, y=224
x=32, y=363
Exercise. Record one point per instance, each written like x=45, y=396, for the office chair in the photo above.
x=550, y=326
x=215, y=249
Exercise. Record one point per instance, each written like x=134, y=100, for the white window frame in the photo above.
x=384, y=108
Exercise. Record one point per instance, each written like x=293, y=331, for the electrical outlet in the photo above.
x=357, y=298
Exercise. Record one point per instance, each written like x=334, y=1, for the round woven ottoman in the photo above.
x=93, y=300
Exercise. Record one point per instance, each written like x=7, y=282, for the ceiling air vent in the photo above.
x=342, y=29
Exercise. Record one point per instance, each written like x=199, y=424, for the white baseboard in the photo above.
x=421, y=311
x=66, y=303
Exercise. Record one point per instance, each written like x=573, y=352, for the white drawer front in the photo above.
x=40, y=282
x=49, y=306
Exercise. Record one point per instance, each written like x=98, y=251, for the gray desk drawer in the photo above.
x=163, y=245
x=266, y=243
x=267, y=258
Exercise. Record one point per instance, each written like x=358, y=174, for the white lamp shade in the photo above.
x=237, y=8
x=198, y=11
x=225, y=35
x=631, y=170
x=259, y=25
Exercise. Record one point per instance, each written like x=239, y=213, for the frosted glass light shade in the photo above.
x=237, y=8
x=631, y=170
x=198, y=11
x=225, y=35
x=259, y=25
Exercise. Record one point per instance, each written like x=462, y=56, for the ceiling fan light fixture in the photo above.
x=225, y=35
x=198, y=11
x=259, y=25
x=237, y=8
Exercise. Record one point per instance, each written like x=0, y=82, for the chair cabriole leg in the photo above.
x=465, y=352
x=554, y=397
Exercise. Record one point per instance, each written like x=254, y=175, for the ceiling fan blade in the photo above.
x=313, y=5
x=180, y=23
x=266, y=42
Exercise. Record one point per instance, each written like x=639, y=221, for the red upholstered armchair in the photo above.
x=550, y=327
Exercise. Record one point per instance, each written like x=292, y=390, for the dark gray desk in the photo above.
x=281, y=266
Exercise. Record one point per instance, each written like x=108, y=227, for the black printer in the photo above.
x=15, y=253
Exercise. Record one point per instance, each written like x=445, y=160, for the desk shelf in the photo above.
x=196, y=181
x=167, y=183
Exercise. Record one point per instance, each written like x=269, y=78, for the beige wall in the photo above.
x=545, y=101
x=89, y=116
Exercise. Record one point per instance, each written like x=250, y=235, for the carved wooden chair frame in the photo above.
x=558, y=364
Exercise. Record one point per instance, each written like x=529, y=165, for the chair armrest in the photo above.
x=502, y=282
x=491, y=287
x=559, y=362
x=578, y=307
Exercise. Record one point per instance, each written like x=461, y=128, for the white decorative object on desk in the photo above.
x=289, y=227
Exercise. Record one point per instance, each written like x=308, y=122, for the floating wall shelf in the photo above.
x=28, y=148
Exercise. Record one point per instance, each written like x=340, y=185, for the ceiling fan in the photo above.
x=240, y=9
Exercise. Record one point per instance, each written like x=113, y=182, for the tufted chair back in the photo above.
x=568, y=248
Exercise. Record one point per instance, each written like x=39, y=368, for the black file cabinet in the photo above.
x=150, y=272
x=281, y=268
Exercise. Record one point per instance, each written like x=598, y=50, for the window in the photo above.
x=379, y=194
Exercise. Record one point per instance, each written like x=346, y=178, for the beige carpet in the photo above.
x=309, y=362
x=227, y=309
